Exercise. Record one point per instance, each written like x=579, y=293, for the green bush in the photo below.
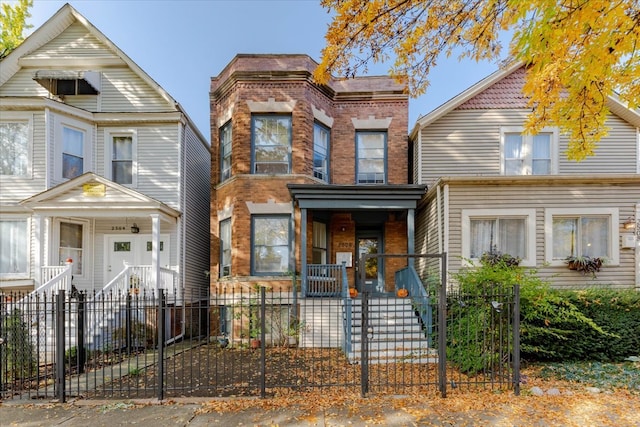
x=18, y=353
x=549, y=320
x=616, y=311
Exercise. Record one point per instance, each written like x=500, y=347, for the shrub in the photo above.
x=548, y=319
x=18, y=352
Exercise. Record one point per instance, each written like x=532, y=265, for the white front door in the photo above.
x=134, y=249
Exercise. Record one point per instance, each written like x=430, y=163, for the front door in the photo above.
x=370, y=243
x=132, y=249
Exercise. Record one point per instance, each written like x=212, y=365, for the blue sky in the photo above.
x=182, y=44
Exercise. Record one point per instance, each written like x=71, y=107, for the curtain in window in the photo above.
x=512, y=237
x=513, y=154
x=71, y=245
x=594, y=236
x=13, y=247
x=14, y=148
x=122, y=160
x=72, y=153
x=541, y=163
x=271, y=244
x=482, y=237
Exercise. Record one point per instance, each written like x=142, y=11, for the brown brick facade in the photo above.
x=281, y=79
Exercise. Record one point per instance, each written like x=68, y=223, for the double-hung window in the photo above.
x=271, y=142
x=528, y=154
x=225, y=247
x=577, y=232
x=320, y=152
x=270, y=244
x=73, y=141
x=14, y=247
x=15, y=147
x=71, y=244
x=225, y=152
x=507, y=231
x=122, y=159
x=371, y=157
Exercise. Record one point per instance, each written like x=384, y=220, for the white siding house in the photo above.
x=490, y=186
x=98, y=164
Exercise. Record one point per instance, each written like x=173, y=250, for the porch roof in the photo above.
x=314, y=196
x=93, y=196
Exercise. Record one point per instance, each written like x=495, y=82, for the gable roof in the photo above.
x=56, y=25
x=95, y=196
x=614, y=103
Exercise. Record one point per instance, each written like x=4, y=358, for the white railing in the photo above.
x=138, y=279
x=55, y=278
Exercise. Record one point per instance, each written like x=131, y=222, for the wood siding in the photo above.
x=466, y=196
x=467, y=143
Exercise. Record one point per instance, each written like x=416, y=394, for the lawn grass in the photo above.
x=608, y=376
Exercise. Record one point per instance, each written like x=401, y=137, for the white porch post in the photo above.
x=37, y=245
x=155, y=250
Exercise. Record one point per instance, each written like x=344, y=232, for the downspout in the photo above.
x=439, y=217
x=445, y=222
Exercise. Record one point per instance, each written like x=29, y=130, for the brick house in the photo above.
x=306, y=175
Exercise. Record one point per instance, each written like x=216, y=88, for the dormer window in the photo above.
x=69, y=82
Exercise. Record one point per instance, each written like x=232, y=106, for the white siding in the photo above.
x=158, y=163
x=125, y=91
x=74, y=42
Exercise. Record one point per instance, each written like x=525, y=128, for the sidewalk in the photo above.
x=551, y=407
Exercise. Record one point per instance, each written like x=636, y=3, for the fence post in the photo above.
x=516, y=340
x=82, y=353
x=2, y=343
x=442, y=329
x=263, y=344
x=59, y=339
x=127, y=323
x=364, y=331
x=161, y=325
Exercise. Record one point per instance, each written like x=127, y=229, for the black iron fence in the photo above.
x=253, y=341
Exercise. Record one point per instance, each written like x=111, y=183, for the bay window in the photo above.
x=14, y=247
x=271, y=144
x=270, y=244
x=225, y=152
x=371, y=157
x=320, y=152
x=14, y=147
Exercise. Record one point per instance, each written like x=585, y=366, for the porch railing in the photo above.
x=407, y=278
x=324, y=280
x=139, y=279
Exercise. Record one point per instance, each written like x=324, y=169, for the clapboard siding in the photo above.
x=195, y=208
x=621, y=197
x=22, y=84
x=616, y=153
x=124, y=91
x=158, y=167
x=74, y=42
x=467, y=142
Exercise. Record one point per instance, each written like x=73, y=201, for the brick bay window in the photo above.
x=371, y=157
x=320, y=152
x=507, y=231
x=270, y=245
x=271, y=144
x=225, y=247
x=225, y=152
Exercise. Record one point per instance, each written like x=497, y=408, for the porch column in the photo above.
x=38, y=246
x=155, y=249
x=411, y=234
x=303, y=249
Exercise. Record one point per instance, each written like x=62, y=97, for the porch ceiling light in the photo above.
x=629, y=224
x=135, y=229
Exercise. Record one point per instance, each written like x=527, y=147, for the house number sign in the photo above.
x=118, y=228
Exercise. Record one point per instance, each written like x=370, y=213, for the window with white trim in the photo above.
x=271, y=144
x=71, y=245
x=507, y=231
x=14, y=247
x=588, y=232
x=524, y=154
x=225, y=151
x=73, y=148
x=121, y=156
x=270, y=244
x=321, y=152
x=225, y=247
x=15, y=146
